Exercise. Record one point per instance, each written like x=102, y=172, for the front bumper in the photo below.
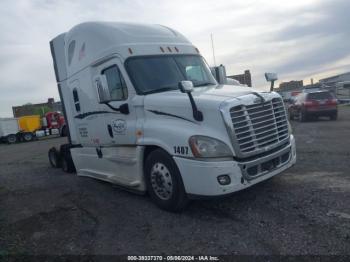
x=321, y=111
x=200, y=177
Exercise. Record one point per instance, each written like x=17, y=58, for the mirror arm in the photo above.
x=272, y=85
x=197, y=115
x=124, y=108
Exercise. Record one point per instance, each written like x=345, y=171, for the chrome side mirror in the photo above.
x=270, y=77
x=186, y=86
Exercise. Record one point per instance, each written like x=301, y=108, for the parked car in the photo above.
x=313, y=105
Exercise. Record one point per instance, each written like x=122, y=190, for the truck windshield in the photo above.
x=162, y=73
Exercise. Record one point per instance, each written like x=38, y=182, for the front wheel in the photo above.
x=164, y=183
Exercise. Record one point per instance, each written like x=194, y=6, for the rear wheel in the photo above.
x=54, y=158
x=164, y=182
x=334, y=116
x=66, y=159
x=11, y=139
x=28, y=137
x=64, y=131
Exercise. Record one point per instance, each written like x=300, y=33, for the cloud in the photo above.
x=297, y=39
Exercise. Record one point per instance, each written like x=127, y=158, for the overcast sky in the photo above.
x=297, y=39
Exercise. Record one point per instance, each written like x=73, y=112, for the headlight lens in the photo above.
x=203, y=146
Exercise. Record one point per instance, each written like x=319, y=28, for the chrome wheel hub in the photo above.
x=161, y=181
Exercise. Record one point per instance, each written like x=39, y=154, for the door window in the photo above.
x=116, y=83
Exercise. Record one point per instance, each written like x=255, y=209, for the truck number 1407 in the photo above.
x=182, y=150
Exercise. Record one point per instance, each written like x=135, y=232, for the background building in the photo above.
x=244, y=79
x=289, y=89
x=333, y=80
x=291, y=85
x=37, y=109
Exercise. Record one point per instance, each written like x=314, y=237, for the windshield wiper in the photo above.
x=162, y=89
x=203, y=84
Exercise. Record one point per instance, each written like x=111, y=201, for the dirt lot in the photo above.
x=306, y=210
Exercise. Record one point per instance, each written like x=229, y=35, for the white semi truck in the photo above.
x=9, y=130
x=145, y=112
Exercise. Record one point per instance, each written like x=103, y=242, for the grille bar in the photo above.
x=258, y=126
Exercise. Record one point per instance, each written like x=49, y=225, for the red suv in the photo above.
x=312, y=105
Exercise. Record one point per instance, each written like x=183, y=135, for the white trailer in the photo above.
x=9, y=129
x=144, y=112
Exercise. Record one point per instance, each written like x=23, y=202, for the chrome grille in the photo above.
x=259, y=125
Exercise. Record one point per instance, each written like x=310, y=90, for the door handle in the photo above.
x=110, y=131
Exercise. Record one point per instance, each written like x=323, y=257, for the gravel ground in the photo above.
x=305, y=210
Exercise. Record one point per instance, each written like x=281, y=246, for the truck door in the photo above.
x=121, y=127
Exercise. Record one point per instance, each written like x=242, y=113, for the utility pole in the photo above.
x=212, y=46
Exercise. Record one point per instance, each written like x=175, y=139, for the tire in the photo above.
x=64, y=131
x=11, y=139
x=66, y=159
x=334, y=116
x=27, y=137
x=54, y=158
x=164, y=182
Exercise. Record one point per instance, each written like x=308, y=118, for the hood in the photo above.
x=209, y=97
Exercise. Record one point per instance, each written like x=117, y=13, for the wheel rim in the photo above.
x=11, y=139
x=27, y=137
x=161, y=181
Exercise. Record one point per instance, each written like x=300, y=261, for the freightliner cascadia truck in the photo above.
x=144, y=112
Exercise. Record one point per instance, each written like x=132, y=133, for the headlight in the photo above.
x=203, y=146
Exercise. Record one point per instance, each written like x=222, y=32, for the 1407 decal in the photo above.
x=181, y=150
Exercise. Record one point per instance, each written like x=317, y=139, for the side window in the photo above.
x=116, y=83
x=71, y=49
x=195, y=73
x=76, y=100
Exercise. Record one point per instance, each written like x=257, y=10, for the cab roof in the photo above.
x=90, y=42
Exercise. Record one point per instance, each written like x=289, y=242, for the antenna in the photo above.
x=212, y=46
